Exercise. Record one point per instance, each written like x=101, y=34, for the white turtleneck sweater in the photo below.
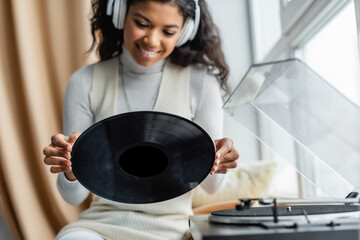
x=141, y=85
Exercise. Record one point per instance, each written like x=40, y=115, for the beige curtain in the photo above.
x=42, y=42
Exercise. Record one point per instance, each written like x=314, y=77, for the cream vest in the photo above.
x=173, y=96
x=113, y=220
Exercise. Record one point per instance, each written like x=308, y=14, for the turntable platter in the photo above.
x=297, y=213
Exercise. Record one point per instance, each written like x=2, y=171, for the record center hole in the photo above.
x=143, y=161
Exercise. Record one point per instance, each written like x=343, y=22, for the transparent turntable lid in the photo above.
x=287, y=104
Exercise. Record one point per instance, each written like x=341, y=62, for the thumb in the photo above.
x=223, y=146
x=219, y=143
x=73, y=137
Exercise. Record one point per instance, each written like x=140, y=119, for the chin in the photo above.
x=146, y=63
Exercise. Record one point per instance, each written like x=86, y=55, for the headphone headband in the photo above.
x=196, y=20
x=117, y=9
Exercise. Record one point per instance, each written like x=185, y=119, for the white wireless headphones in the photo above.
x=117, y=8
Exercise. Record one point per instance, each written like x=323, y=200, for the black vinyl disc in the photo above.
x=142, y=157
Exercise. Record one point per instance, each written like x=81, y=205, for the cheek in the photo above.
x=170, y=44
x=132, y=34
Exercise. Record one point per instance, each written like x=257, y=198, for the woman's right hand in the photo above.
x=58, y=156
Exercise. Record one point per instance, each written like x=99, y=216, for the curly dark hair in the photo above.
x=204, y=49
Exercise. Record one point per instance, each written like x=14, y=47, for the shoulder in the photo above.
x=199, y=69
x=82, y=76
x=200, y=76
x=82, y=79
x=86, y=72
x=204, y=89
x=80, y=82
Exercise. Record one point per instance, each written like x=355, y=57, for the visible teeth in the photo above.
x=147, y=52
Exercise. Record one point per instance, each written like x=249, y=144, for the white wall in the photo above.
x=231, y=16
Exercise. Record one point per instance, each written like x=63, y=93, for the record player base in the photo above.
x=202, y=229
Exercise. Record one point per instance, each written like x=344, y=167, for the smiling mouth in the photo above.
x=146, y=53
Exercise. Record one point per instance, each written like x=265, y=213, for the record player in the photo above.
x=308, y=123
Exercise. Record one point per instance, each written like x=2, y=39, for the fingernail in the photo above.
x=218, y=155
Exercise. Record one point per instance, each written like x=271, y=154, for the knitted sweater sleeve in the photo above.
x=206, y=107
x=77, y=116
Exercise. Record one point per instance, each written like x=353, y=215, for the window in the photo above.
x=333, y=52
x=323, y=34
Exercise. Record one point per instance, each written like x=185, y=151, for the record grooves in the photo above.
x=142, y=157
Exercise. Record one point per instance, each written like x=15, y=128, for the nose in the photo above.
x=152, y=38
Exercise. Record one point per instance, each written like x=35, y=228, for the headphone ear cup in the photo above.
x=185, y=32
x=122, y=14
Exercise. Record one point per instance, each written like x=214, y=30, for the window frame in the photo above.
x=313, y=17
x=357, y=14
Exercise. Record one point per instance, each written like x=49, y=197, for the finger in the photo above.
x=53, y=151
x=57, y=169
x=213, y=170
x=222, y=168
x=57, y=161
x=61, y=141
x=217, y=170
x=229, y=157
x=223, y=171
x=227, y=165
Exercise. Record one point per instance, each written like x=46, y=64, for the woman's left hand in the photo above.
x=225, y=156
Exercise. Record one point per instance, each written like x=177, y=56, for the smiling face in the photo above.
x=151, y=30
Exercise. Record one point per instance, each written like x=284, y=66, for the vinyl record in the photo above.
x=142, y=157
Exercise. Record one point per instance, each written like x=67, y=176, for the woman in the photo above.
x=144, y=45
